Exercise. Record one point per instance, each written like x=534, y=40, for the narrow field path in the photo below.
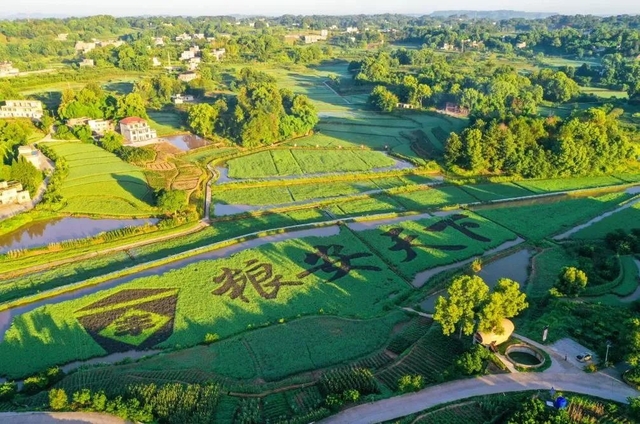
x=336, y=93
x=598, y=384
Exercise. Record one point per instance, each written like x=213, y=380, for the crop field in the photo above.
x=543, y=219
x=166, y=123
x=625, y=219
x=274, y=195
x=304, y=162
x=369, y=206
x=604, y=93
x=564, y=184
x=99, y=183
x=430, y=357
x=434, y=197
x=466, y=413
x=488, y=192
x=414, y=246
x=334, y=275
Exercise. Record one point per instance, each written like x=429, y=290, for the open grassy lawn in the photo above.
x=304, y=162
x=565, y=184
x=625, y=219
x=414, y=246
x=166, y=123
x=99, y=183
x=545, y=218
x=225, y=297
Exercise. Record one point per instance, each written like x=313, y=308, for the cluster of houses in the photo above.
x=7, y=70
x=21, y=109
x=11, y=193
x=86, y=47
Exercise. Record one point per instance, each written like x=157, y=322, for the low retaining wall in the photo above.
x=523, y=348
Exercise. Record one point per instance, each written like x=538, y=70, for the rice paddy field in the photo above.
x=414, y=246
x=304, y=162
x=566, y=184
x=625, y=219
x=541, y=219
x=99, y=183
x=225, y=297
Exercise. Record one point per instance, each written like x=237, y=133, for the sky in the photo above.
x=302, y=7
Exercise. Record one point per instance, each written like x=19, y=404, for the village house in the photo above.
x=187, y=76
x=83, y=47
x=136, y=129
x=187, y=55
x=405, y=106
x=311, y=39
x=194, y=63
x=7, y=70
x=155, y=62
x=183, y=37
x=179, y=99
x=352, y=30
x=521, y=45
x=87, y=63
x=218, y=53
x=21, y=109
x=114, y=43
x=11, y=192
x=158, y=41
x=198, y=36
x=31, y=155
x=98, y=126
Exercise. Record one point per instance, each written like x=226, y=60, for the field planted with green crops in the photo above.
x=166, y=123
x=334, y=275
x=368, y=206
x=274, y=195
x=546, y=218
x=564, y=184
x=304, y=162
x=99, y=183
x=625, y=219
x=488, y=192
x=415, y=246
x=434, y=197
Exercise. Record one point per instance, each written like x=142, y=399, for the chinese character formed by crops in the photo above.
x=133, y=325
x=259, y=275
x=407, y=244
x=463, y=227
x=330, y=259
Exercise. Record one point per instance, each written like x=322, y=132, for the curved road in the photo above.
x=600, y=385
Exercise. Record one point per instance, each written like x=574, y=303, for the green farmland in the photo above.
x=99, y=183
x=304, y=162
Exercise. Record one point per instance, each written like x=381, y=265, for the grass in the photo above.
x=621, y=220
x=166, y=123
x=630, y=277
x=434, y=198
x=564, y=184
x=304, y=162
x=414, y=246
x=54, y=334
x=99, y=183
x=604, y=93
x=543, y=219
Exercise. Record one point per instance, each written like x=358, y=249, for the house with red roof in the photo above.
x=136, y=129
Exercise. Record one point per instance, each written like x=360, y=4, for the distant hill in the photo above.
x=491, y=14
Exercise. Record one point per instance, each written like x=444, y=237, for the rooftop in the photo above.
x=132, y=120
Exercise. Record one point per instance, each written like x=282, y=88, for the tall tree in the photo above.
x=460, y=308
x=506, y=301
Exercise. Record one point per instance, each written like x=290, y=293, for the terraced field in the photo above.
x=99, y=183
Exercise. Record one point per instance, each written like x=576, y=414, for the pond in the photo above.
x=514, y=267
x=524, y=358
x=186, y=142
x=41, y=233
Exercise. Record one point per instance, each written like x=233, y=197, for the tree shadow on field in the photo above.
x=119, y=87
x=137, y=187
x=51, y=99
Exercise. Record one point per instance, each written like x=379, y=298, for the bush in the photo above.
x=591, y=368
x=571, y=281
x=334, y=401
x=473, y=361
x=339, y=381
x=7, y=391
x=411, y=383
x=34, y=384
x=351, y=395
x=58, y=399
x=210, y=338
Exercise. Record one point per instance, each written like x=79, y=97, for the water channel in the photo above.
x=41, y=233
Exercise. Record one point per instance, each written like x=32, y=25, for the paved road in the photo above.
x=59, y=417
x=598, y=384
